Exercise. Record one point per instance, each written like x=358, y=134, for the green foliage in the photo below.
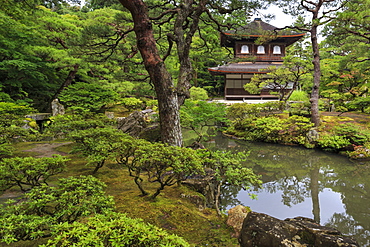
x=29, y=172
x=355, y=134
x=44, y=208
x=299, y=108
x=228, y=168
x=113, y=229
x=299, y=96
x=359, y=104
x=61, y=125
x=81, y=97
x=132, y=103
x=196, y=115
x=97, y=144
x=239, y=112
x=331, y=142
x=11, y=129
x=167, y=165
x=292, y=130
x=152, y=104
x=162, y=164
x=197, y=93
x=6, y=150
x=15, y=109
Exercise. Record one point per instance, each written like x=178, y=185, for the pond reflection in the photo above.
x=304, y=182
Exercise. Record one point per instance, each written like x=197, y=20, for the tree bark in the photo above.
x=183, y=43
x=315, y=116
x=168, y=104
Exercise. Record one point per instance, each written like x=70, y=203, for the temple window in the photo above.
x=245, y=49
x=260, y=49
x=277, y=50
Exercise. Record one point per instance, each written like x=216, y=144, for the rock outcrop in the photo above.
x=235, y=219
x=265, y=231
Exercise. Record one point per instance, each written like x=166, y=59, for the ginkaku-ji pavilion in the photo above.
x=258, y=56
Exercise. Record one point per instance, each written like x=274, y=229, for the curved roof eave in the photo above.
x=256, y=35
x=236, y=72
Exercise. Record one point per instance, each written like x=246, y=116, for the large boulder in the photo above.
x=265, y=231
x=133, y=124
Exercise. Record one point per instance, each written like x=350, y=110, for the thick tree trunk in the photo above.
x=183, y=43
x=315, y=116
x=164, y=87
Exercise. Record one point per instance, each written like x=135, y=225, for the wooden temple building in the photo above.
x=259, y=46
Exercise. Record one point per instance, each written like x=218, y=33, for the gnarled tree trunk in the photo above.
x=168, y=104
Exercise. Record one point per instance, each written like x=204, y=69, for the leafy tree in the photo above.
x=44, y=208
x=29, y=172
x=62, y=125
x=159, y=163
x=12, y=124
x=197, y=115
x=185, y=17
x=97, y=144
x=168, y=165
x=85, y=96
x=318, y=18
x=127, y=155
x=227, y=168
x=347, y=49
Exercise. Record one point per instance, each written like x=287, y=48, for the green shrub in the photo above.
x=331, y=142
x=16, y=109
x=299, y=108
x=299, y=96
x=197, y=93
x=132, y=103
x=28, y=172
x=44, y=208
x=97, y=144
x=359, y=103
x=292, y=130
x=61, y=125
x=82, y=97
x=238, y=112
x=111, y=230
x=354, y=133
x=196, y=115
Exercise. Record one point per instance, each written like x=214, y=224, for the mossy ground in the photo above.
x=170, y=210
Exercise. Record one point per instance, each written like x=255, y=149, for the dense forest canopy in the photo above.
x=53, y=44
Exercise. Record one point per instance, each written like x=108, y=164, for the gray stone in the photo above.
x=57, y=108
x=312, y=135
x=39, y=116
x=133, y=124
x=265, y=231
x=136, y=124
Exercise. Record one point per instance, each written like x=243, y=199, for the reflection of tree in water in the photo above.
x=303, y=173
x=229, y=196
x=350, y=227
x=354, y=185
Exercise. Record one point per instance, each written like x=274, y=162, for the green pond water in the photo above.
x=304, y=182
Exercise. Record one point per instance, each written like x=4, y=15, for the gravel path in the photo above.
x=47, y=149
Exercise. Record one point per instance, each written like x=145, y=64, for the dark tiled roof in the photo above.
x=237, y=68
x=258, y=27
